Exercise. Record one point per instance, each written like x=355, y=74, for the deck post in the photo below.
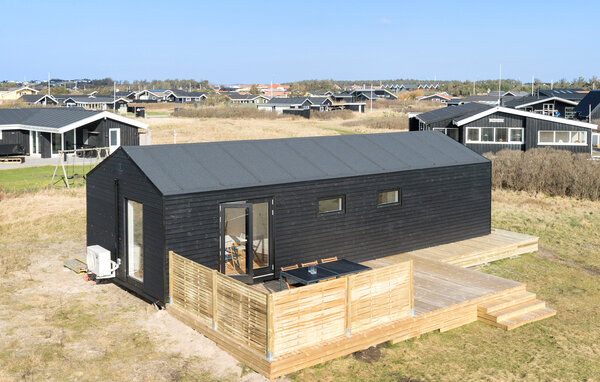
x=270, y=332
x=411, y=288
x=214, y=299
x=170, y=277
x=348, y=303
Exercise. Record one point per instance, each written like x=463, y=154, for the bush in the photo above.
x=239, y=112
x=546, y=170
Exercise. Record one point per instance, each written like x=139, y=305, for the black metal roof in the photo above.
x=213, y=166
x=287, y=101
x=451, y=112
x=571, y=94
x=44, y=117
x=591, y=98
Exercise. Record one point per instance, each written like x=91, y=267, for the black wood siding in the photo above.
x=438, y=206
x=100, y=129
x=45, y=147
x=16, y=137
x=101, y=221
x=536, y=125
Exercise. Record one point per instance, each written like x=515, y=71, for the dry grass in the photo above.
x=229, y=111
x=212, y=129
x=56, y=327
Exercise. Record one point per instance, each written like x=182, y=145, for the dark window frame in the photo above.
x=384, y=205
x=336, y=212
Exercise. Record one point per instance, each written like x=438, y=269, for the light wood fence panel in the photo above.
x=242, y=313
x=191, y=287
x=308, y=315
x=380, y=296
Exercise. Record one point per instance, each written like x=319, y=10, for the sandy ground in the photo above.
x=56, y=326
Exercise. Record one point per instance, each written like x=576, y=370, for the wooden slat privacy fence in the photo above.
x=229, y=306
x=288, y=321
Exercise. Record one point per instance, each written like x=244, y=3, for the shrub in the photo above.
x=546, y=170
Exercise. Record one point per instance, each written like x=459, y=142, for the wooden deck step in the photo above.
x=493, y=306
x=522, y=319
x=514, y=311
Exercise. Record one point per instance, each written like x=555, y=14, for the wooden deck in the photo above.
x=444, y=294
x=499, y=244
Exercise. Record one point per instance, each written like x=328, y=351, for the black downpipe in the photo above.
x=117, y=236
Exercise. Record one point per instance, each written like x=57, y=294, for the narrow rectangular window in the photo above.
x=388, y=197
x=487, y=134
x=516, y=135
x=331, y=205
x=578, y=137
x=135, y=240
x=546, y=137
x=501, y=134
x=473, y=134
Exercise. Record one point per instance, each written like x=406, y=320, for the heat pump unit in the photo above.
x=99, y=262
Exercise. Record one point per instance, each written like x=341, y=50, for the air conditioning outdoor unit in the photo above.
x=99, y=262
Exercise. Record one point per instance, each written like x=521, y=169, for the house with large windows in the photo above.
x=43, y=132
x=491, y=129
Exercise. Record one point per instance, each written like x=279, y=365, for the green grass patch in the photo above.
x=31, y=179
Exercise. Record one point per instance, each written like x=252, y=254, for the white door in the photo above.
x=114, y=139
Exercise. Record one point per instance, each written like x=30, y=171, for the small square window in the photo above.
x=388, y=197
x=331, y=205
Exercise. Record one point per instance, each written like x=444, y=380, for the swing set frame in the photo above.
x=84, y=154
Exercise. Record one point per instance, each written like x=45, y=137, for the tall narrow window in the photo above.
x=135, y=240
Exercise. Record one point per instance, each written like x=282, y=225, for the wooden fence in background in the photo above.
x=257, y=327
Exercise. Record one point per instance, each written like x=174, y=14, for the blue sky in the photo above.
x=250, y=41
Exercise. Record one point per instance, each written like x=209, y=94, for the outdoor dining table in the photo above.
x=315, y=273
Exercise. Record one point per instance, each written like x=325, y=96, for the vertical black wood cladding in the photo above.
x=133, y=184
x=536, y=125
x=129, y=133
x=16, y=137
x=438, y=206
x=45, y=148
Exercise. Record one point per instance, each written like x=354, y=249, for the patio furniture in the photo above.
x=314, y=273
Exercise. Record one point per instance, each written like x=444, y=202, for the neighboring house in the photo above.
x=361, y=94
x=277, y=104
x=553, y=106
x=182, y=96
x=570, y=94
x=96, y=102
x=284, y=201
x=491, y=129
x=44, y=131
x=590, y=103
x=437, y=97
x=487, y=99
x=132, y=95
x=37, y=99
x=16, y=93
x=247, y=98
x=512, y=93
x=320, y=103
x=153, y=95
